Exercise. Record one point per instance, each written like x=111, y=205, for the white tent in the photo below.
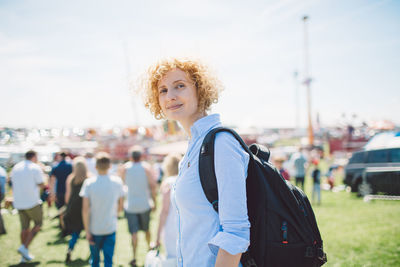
x=165, y=149
x=384, y=140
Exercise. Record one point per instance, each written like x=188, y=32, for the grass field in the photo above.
x=355, y=233
x=50, y=250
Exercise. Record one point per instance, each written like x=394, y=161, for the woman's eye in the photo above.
x=163, y=90
x=180, y=85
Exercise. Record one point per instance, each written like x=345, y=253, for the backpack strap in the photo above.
x=208, y=178
x=206, y=164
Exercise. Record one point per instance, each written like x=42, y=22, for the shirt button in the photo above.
x=180, y=259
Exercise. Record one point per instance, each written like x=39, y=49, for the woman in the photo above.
x=73, y=215
x=167, y=224
x=183, y=90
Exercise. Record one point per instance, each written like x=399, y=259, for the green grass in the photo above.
x=50, y=250
x=355, y=233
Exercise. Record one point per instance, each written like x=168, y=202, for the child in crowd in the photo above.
x=102, y=200
x=316, y=175
x=279, y=165
x=330, y=176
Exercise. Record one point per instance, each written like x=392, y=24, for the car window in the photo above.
x=357, y=158
x=394, y=155
x=377, y=156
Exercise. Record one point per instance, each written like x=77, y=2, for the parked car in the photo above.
x=374, y=171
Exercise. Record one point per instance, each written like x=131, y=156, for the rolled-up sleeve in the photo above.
x=231, y=162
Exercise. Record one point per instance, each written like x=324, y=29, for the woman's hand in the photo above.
x=155, y=245
x=225, y=259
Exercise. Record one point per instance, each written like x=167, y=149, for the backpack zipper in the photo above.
x=284, y=232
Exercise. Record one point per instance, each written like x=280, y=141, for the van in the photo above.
x=374, y=171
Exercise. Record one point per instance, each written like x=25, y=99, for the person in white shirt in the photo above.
x=167, y=230
x=91, y=163
x=27, y=179
x=140, y=198
x=102, y=199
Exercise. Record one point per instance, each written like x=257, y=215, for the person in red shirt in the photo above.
x=279, y=165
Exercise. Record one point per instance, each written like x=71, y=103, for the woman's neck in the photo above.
x=190, y=121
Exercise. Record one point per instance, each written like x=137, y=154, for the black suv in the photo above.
x=374, y=171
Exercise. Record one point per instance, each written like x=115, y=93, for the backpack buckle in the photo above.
x=321, y=255
x=250, y=263
x=204, y=149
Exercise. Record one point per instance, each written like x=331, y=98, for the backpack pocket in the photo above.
x=287, y=255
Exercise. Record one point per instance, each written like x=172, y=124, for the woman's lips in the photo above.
x=174, y=107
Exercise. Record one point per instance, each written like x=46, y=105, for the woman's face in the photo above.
x=178, y=98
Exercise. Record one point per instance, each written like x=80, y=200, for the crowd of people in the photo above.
x=92, y=201
x=90, y=198
x=76, y=196
x=301, y=163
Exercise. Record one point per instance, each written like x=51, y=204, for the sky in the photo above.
x=74, y=63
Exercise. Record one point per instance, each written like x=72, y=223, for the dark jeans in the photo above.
x=2, y=227
x=105, y=243
x=300, y=180
x=60, y=201
x=72, y=241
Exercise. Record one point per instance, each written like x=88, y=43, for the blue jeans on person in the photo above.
x=105, y=243
x=72, y=241
x=316, y=193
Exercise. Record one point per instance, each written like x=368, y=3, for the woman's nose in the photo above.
x=171, y=95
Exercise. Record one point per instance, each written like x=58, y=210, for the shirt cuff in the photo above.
x=231, y=243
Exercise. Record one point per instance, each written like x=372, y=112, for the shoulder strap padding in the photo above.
x=207, y=167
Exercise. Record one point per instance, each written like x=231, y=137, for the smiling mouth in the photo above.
x=175, y=107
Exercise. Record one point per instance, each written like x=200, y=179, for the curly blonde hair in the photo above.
x=207, y=85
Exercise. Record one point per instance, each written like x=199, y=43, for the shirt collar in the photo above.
x=204, y=124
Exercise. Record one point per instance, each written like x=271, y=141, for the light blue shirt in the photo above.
x=299, y=164
x=3, y=176
x=201, y=230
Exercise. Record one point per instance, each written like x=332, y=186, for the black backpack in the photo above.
x=283, y=229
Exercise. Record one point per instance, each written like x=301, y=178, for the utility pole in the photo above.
x=307, y=83
x=128, y=72
x=297, y=100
